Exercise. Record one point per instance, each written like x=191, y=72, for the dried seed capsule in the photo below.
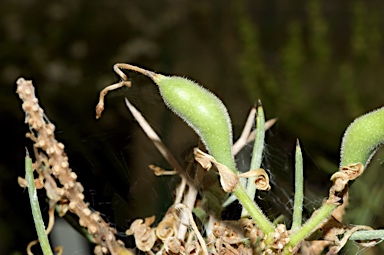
x=362, y=138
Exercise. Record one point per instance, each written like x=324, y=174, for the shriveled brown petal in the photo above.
x=173, y=246
x=192, y=248
x=228, y=179
x=262, y=178
x=145, y=243
x=166, y=228
x=226, y=234
x=22, y=182
x=340, y=180
x=203, y=159
x=353, y=171
x=134, y=226
x=145, y=237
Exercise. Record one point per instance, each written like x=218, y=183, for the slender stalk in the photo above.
x=257, y=154
x=39, y=223
x=367, y=235
x=254, y=210
x=321, y=215
x=299, y=190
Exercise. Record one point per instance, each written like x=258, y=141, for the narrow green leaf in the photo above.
x=299, y=190
x=38, y=219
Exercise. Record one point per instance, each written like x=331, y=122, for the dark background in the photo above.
x=316, y=65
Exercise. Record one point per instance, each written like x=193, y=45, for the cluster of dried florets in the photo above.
x=227, y=237
x=52, y=165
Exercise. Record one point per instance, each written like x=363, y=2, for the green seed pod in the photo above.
x=198, y=107
x=202, y=111
x=362, y=138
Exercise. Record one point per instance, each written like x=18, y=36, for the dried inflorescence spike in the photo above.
x=52, y=163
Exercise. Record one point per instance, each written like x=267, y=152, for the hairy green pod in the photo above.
x=207, y=116
x=202, y=111
x=362, y=138
x=197, y=106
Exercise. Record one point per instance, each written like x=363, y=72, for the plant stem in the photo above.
x=367, y=235
x=254, y=210
x=246, y=197
x=299, y=193
x=39, y=223
x=321, y=215
x=257, y=154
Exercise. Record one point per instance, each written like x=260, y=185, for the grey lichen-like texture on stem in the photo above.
x=37, y=218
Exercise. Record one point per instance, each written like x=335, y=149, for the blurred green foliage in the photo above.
x=316, y=65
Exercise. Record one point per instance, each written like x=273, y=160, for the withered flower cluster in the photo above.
x=57, y=178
